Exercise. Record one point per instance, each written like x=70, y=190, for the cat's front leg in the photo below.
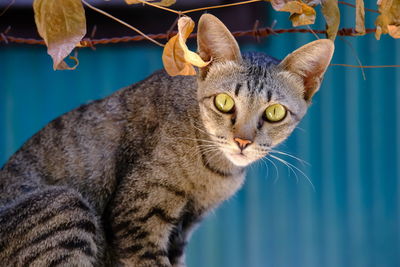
x=181, y=233
x=142, y=230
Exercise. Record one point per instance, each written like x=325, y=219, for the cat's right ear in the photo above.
x=215, y=42
x=310, y=62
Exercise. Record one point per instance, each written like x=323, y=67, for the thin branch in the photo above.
x=160, y=7
x=220, y=6
x=261, y=32
x=348, y=4
x=312, y=31
x=7, y=7
x=366, y=67
x=355, y=55
x=122, y=22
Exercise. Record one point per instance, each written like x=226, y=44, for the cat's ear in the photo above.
x=215, y=42
x=310, y=63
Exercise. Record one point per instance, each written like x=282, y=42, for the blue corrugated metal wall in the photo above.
x=350, y=137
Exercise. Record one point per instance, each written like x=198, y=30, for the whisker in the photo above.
x=202, y=151
x=285, y=162
x=276, y=169
x=301, y=129
x=290, y=169
x=201, y=130
x=289, y=155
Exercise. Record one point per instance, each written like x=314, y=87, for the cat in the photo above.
x=122, y=181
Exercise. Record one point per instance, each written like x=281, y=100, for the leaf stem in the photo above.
x=160, y=7
x=122, y=22
x=348, y=4
x=220, y=6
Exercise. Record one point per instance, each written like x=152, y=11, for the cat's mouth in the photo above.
x=239, y=159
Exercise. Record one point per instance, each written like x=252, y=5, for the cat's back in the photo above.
x=81, y=148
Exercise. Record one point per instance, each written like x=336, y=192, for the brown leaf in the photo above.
x=360, y=17
x=62, y=25
x=389, y=19
x=156, y=2
x=177, y=58
x=278, y=4
x=331, y=13
x=293, y=7
x=394, y=31
x=300, y=13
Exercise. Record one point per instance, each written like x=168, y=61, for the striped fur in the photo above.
x=122, y=181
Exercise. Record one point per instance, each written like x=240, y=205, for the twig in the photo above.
x=220, y=6
x=123, y=23
x=315, y=35
x=3, y=35
x=348, y=4
x=355, y=54
x=197, y=9
x=262, y=32
x=160, y=7
x=7, y=7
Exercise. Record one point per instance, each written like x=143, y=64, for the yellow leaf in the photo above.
x=64, y=66
x=293, y=7
x=61, y=24
x=185, y=28
x=394, y=31
x=166, y=2
x=389, y=18
x=331, y=13
x=300, y=13
x=360, y=17
x=156, y=2
x=177, y=58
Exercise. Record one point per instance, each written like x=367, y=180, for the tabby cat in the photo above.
x=123, y=180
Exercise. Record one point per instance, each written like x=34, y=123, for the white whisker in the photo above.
x=289, y=164
x=291, y=156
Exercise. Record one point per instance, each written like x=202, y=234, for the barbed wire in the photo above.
x=256, y=32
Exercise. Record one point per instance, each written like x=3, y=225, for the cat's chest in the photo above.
x=210, y=189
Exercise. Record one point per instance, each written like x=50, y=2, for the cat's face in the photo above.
x=248, y=109
x=250, y=104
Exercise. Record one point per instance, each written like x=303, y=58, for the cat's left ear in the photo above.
x=215, y=42
x=310, y=63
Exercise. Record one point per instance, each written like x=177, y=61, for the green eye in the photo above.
x=224, y=103
x=275, y=113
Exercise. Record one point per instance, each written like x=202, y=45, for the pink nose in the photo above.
x=242, y=143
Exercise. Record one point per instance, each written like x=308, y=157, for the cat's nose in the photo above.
x=242, y=143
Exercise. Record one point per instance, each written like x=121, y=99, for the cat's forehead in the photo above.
x=256, y=81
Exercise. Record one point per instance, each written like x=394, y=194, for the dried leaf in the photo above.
x=177, y=58
x=278, y=4
x=64, y=66
x=360, y=17
x=394, y=31
x=331, y=13
x=156, y=2
x=293, y=7
x=300, y=13
x=61, y=24
x=314, y=2
x=389, y=19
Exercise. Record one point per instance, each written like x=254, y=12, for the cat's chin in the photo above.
x=239, y=160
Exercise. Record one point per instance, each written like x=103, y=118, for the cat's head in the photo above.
x=251, y=103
